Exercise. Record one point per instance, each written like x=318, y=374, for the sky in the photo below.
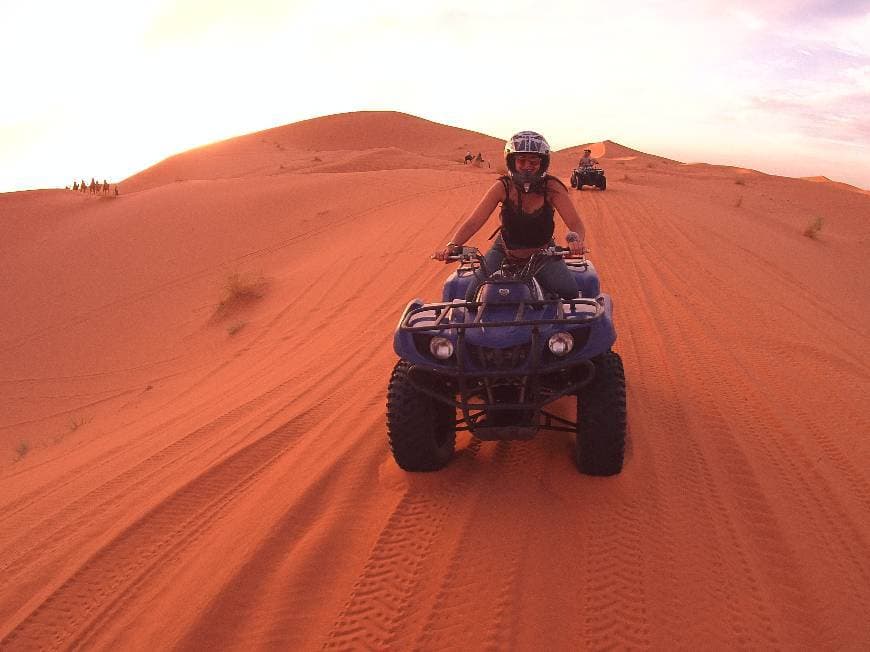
x=106, y=88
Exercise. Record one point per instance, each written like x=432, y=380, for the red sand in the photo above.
x=179, y=474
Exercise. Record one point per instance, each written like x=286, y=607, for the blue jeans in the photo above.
x=554, y=276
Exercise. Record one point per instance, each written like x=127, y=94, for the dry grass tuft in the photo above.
x=21, y=450
x=739, y=202
x=77, y=422
x=739, y=181
x=813, y=228
x=234, y=328
x=239, y=291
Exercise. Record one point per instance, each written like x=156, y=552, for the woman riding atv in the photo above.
x=528, y=197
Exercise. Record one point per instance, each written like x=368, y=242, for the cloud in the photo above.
x=750, y=20
x=190, y=20
x=845, y=120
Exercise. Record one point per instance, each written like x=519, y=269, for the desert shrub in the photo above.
x=77, y=422
x=239, y=289
x=739, y=202
x=739, y=181
x=234, y=328
x=813, y=228
x=240, y=286
x=21, y=450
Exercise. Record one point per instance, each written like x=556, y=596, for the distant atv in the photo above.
x=588, y=176
x=488, y=359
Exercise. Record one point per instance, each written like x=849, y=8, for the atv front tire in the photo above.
x=601, y=419
x=602, y=183
x=421, y=429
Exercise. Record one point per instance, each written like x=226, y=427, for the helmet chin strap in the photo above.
x=524, y=181
x=526, y=184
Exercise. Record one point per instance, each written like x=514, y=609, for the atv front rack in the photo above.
x=474, y=407
x=445, y=316
x=474, y=398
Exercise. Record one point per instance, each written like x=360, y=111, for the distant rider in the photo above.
x=586, y=162
x=528, y=197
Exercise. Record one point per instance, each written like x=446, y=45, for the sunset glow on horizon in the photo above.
x=104, y=89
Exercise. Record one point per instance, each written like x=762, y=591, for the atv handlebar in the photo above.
x=463, y=254
x=469, y=254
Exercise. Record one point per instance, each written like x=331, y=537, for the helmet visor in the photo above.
x=528, y=142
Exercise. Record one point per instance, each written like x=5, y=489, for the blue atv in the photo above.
x=495, y=352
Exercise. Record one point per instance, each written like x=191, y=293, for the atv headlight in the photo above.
x=561, y=343
x=441, y=347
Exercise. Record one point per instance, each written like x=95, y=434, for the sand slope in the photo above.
x=611, y=151
x=180, y=473
x=321, y=143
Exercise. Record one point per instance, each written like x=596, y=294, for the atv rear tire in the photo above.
x=601, y=419
x=421, y=429
x=573, y=180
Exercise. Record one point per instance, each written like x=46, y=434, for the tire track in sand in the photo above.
x=785, y=585
x=385, y=589
x=80, y=513
x=117, y=568
x=304, y=509
x=744, y=381
x=474, y=608
x=727, y=589
x=45, y=536
x=123, y=563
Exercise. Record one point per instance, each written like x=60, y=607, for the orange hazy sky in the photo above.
x=105, y=89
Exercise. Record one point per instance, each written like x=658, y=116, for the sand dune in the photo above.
x=385, y=158
x=185, y=469
x=612, y=151
x=839, y=184
x=304, y=145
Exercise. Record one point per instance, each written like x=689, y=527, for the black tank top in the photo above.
x=521, y=230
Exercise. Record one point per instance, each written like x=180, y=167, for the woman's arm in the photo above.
x=558, y=196
x=476, y=220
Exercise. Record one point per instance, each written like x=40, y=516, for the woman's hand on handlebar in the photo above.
x=448, y=250
x=576, y=247
x=575, y=243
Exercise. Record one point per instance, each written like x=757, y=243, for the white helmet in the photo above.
x=527, y=142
